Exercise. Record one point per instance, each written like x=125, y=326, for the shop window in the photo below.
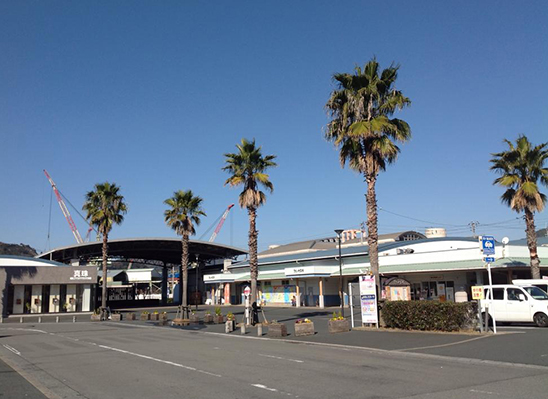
x=267, y=283
x=285, y=282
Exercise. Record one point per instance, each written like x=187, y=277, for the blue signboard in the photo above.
x=489, y=260
x=488, y=245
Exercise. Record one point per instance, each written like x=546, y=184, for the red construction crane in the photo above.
x=218, y=228
x=65, y=210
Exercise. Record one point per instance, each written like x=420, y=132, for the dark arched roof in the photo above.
x=165, y=250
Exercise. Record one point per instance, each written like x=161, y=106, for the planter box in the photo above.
x=116, y=317
x=130, y=316
x=303, y=329
x=162, y=322
x=218, y=319
x=181, y=322
x=155, y=316
x=145, y=317
x=208, y=318
x=194, y=319
x=338, y=326
x=95, y=317
x=277, y=330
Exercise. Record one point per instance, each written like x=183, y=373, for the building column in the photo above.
x=298, y=294
x=320, y=282
x=164, y=286
x=227, y=294
x=479, y=277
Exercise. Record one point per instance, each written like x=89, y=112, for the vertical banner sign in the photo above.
x=368, y=297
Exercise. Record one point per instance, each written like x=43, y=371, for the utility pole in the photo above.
x=473, y=226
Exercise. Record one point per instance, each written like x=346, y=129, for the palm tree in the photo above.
x=362, y=129
x=247, y=168
x=521, y=169
x=184, y=212
x=105, y=207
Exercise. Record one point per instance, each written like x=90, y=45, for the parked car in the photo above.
x=540, y=283
x=512, y=303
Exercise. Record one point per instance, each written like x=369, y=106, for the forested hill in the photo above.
x=17, y=249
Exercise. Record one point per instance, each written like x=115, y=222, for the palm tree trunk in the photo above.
x=105, y=255
x=253, y=263
x=184, y=263
x=532, y=243
x=372, y=228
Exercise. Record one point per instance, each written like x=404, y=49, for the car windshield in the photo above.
x=537, y=293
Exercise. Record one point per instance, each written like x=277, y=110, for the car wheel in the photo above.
x=541, y=320
x=489, y=322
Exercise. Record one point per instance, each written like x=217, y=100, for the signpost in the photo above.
x=488, y=249
x=478, y=294
x=247, y=291
x=368, y=300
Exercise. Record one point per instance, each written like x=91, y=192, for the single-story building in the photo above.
x=440, y=268
x=30, y=285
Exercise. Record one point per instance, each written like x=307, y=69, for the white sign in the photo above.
x=247, y=290
x=80, y=275
x=368, y=299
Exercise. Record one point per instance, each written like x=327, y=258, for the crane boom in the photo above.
x=221, y=222
x=65, y=210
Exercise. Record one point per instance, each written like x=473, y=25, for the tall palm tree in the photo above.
x=183, y=213
x=105, y=207
x=521, y=168
x=362, y=128
x=247, y=168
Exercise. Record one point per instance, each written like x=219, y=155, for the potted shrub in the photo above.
x=208, y=318
x=338, y=323
x=116, y=316
x=145, y=315
x=155, y=316
x=231, y=321
x=304, y=327
x=96, y=316
x=276, y=329
x=219, y=318
x=163, y=319
x=194, y=317
x=130, y=316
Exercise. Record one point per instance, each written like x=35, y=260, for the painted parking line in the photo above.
x=282, y=358
x=12, y=349
x=159, y=360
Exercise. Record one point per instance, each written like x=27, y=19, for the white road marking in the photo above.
x=442, y=345
x=159, y=360
x=282, y=358
x=487, y=392
x=264, y=387
x=12, y=349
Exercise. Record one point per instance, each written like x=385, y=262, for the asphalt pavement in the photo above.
x=140, y=359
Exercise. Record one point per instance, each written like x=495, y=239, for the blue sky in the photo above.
x=150, y=95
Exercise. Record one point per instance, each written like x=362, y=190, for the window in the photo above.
x=267, y=283
x=498, y=293
x=285, y=282
x=513, y=294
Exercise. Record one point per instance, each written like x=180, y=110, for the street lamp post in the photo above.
x=339, y=232
x=196, y=287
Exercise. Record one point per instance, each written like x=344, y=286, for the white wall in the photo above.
x=54, y=293
x=36, y=296
x=86, y=298
x=71, y=293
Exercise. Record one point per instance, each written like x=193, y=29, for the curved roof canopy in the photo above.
x=165, y=250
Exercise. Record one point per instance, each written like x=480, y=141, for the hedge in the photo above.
x=429, y=315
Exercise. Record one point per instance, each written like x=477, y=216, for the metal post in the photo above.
x=491, y=297
x=339, y=231
x=259, y=330
x=196, y=287
x=350, y=298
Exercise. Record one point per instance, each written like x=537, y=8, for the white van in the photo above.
x=541, y=283
x=512, y=303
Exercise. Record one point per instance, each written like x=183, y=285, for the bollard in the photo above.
x=242, y=329
x=57, y=319
x=74, y=319
x=1, y=319
x=260, y=330
x=227, y=327
x=39, y=319
x=21, y=320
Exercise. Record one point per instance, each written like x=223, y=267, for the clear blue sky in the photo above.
x=150, y=95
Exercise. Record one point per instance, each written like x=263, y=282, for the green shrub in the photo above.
x=428, y=315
